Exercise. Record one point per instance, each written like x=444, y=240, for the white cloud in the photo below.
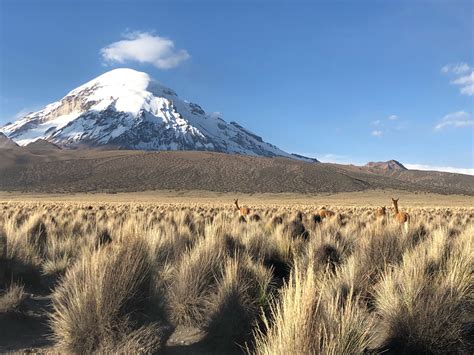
x=468, y=90
x=382, y=127
x=457, y=119
x=144, y=47
x=448, y=169
x=328, y=157
x=466, y=83
x=23, y=112
x=463, y=80
x=458, y=68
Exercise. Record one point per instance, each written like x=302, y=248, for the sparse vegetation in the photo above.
x=124, y=277
x=11, y=299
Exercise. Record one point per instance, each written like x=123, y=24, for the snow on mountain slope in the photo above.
x=127, y=109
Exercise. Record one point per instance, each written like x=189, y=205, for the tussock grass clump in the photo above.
x=328, y=254
x=37, y=235
x=379, y=249
x=255, y=217
x=11, y=299
x=427, y=302
x=277, y=220
x=103, y=238
x=303, y=322
x=144, y=340
x=97, y=301
x=194, y=281
x=242, y=219
x=296, y=229
x=243, y=288
x=316, y=219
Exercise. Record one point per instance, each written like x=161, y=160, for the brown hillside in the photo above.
x=120, y=171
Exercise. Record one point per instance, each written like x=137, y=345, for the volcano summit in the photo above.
x=126, y=109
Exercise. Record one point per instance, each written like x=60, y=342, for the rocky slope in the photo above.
x=6, y=143
x=386, y=165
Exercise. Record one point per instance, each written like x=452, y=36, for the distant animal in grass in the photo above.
x=401, y=217
x=243, y=211
x=381, y=212
x=325, y=213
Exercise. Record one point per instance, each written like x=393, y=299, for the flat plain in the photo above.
x=184, y=272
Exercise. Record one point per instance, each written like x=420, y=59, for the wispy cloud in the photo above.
x=23, y=112
x=457, y=119
x=145, y=47
x=463, y=80
x=448, y=169
x=385, y=126
x=466, y=84
x=458, y=68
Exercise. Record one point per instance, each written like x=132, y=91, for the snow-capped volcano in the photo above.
x=126, y=109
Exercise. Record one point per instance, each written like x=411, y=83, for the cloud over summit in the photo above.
x=145, y=47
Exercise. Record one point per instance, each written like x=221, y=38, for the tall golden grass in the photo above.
x=123, y=277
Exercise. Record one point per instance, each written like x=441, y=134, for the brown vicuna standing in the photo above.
x=401, y=217
x=243, y=211
x=324, y=213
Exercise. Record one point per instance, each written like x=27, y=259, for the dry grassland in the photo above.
x=143, y=277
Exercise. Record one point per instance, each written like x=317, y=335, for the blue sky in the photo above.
x=343, y=81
